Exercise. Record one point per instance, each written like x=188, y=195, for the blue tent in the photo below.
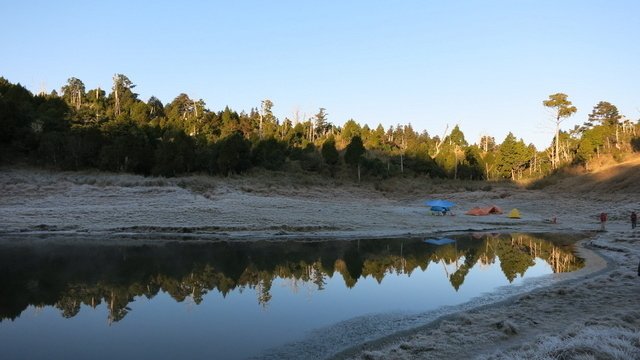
x=440, y=241
x=440, y=203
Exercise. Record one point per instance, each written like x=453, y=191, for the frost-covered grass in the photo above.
x=42, y=178
x=581, y=343
x=587, y=343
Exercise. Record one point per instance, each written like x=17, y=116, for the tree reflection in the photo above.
x=69, y=276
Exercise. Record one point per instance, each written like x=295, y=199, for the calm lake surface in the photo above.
x=221, y=300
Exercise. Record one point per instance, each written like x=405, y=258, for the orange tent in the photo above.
x=481, y=211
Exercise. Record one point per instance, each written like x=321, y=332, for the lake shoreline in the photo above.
x=595, y=264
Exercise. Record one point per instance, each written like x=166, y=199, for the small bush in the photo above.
x=270, y=154
x=635, y=144
x=618, y=156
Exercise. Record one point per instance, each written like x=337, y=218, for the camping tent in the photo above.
x=439, y=207
x=440, y=203
x=514, y=214
x=481, y=211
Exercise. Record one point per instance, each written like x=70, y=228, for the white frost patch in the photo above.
x=586, y=343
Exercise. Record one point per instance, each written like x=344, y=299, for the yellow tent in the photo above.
x=514, y=214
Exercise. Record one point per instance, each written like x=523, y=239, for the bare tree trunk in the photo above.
x=284, y=130
x=439, y=143
x=455, y=169
x=117, y=104
x=456, y=150
x=296, y=117
x=77, y=99
x=556, y=157
x=565, y=151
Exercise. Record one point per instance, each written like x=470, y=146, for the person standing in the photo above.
x=603, y=220
x=634, y=219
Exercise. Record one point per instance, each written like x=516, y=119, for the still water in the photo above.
x=235, y=300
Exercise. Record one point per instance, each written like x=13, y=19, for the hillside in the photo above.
x=607, y=177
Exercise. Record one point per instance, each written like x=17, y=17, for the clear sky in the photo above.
x=485, y=65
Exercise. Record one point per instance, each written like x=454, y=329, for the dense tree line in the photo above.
x=116, y=131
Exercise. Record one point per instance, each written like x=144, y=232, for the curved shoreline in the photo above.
x=595, y=264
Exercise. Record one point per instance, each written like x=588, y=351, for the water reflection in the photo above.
x=69, y=276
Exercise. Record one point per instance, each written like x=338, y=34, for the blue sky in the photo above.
x=485, y=65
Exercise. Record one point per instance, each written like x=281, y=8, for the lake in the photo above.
x=236, y=300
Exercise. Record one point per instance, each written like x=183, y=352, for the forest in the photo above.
x=79, y=128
